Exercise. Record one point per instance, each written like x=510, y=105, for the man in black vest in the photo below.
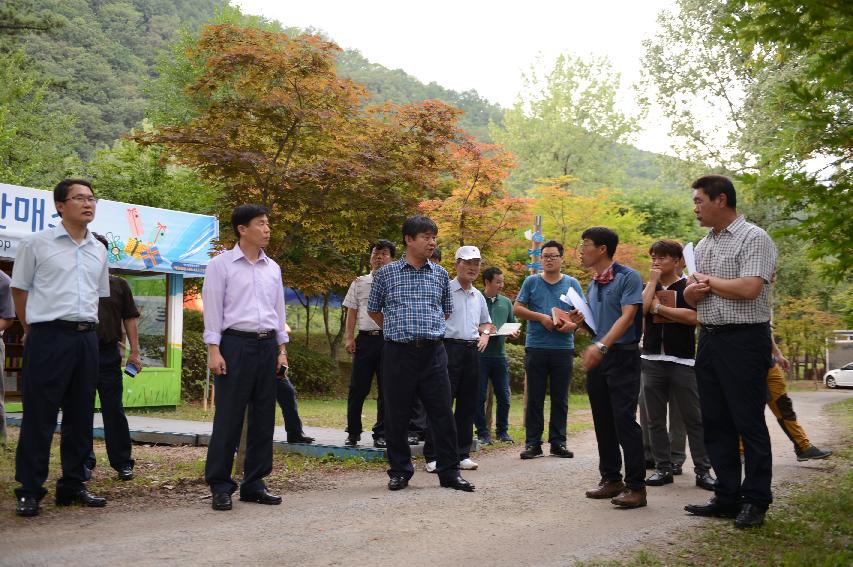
x=669, y=344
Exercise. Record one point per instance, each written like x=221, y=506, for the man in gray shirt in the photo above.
x=7, y=315
x=58, y=277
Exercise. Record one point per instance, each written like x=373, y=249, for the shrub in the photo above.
x=193, y=320
x=310, y=371
x=193, y=366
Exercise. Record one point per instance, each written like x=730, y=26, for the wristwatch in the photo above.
x=656, y=310
x=487, y=332
x=602, y=348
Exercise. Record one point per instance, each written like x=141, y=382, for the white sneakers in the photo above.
x=465, y=465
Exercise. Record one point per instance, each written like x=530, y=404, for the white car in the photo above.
x=839, y=377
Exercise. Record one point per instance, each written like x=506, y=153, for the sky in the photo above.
x=486, y=45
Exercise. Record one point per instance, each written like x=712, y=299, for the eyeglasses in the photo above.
x=551, y=256
x=79, y=199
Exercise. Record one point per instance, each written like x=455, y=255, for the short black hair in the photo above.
x=102, y=239
x=714, y=185
x=602, y=236
x=383, y=244
x=436, y=255
x=490, y=274
x=553, y=244
x=413, y=226
x=60, y=192
x=666, y=247
x=244, y=214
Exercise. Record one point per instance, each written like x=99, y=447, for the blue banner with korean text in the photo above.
x=144, y=239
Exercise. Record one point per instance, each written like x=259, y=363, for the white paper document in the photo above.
x=689, y=258
x=508, y=329
x=574, y=299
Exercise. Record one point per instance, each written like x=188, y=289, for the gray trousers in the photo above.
x=664, y=381
x=677, y=434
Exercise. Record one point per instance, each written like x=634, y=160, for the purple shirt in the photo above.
x=243, y=296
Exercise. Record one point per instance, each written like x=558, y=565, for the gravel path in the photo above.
x=523, y=513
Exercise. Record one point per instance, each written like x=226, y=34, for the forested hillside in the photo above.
x=100, y=55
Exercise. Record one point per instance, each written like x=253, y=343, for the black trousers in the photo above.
x=731, y=371
x=249, y=382
x=463, y=369
x=366, y=362
x=60, y=369
x=547, y=367
x=614, y=388
x=285, y=393
x=411, y=371
x=110, y=390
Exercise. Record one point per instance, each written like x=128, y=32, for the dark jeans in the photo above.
x=547, y=367
x=677, y=434
x=496, y=370
x=614, y=388
x=463, y=369
x=250, y=382
x=60, y=370
x=285, y=394
x=110, y=390
x=674, y=385
x=731, y=371
x=366, y=362
x=411, y=371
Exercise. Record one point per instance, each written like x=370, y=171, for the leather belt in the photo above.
x=79, y=326
x=371, y=333
x=259, y=336
x=714, y=329
x=417, y=343
x=627, y=346
x=468, y=343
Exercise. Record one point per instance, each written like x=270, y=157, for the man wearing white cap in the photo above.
x=467, y=335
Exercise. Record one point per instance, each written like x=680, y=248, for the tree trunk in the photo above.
x=336, y=342
x=307, y=306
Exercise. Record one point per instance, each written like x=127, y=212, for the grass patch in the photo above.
x=332, y=412
x=810, y=524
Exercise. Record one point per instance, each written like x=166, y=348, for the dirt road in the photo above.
x=523, y=513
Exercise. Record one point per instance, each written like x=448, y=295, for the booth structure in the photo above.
x=153, y=249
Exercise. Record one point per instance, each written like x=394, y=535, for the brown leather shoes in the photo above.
x=606, y=489
x=630, y=498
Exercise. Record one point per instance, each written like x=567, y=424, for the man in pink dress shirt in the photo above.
x=244, y=326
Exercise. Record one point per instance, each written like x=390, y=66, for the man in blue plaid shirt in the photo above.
x=410, y=301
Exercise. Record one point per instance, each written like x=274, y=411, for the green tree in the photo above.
x=564, y=123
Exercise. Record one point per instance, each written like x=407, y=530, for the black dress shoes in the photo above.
x=352, y=441
x=458, y=483
x=676, y=470
x=558, y=450
x=706, y=481
x=531, y=452
x=379, y=442
x=398, y=483
x=261, y=497
x=750, y=516
x=413, y=439
x=714, y=508
x=27, y=506
x=125, y=473
x=221, y=501
x=82, y=497
x=300, y=438
x=659, y=478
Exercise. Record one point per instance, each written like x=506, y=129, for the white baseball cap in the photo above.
x=468, y=253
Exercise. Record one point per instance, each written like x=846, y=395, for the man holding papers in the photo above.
x=548, y=353
x=493, y=362
x=612, y=364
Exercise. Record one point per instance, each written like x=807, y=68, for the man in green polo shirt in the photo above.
x=493, y=361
